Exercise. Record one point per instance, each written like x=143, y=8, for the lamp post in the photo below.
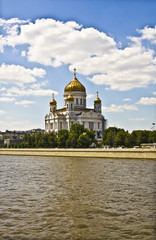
x=153, y=128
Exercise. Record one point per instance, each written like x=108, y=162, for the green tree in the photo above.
x=52, y=140
x=109, y=136
x=77, y=128
x=129, y=141
x=62, y=138
x=120, y=138
x=84, y=140
x=142, y=136
x=72, y=140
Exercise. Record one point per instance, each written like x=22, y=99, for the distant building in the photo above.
x=16, y=137
x=75, y=111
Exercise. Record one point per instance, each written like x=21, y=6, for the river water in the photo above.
x=44, y=198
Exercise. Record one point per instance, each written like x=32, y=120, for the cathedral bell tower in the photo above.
x=97, y=104
x=53, y=104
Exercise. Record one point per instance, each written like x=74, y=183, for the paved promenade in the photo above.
x=95, y=153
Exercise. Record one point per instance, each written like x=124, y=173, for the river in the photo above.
x=48, y=198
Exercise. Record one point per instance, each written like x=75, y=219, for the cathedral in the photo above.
x=75, y=111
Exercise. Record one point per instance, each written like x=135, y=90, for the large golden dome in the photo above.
x=75, y=85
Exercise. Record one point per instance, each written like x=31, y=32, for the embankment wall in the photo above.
x=95, y=153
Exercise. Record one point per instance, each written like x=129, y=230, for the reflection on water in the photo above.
x=65, y=198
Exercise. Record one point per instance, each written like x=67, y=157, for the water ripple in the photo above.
x=87, y=199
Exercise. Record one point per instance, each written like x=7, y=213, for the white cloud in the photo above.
x=147, y=101
x=2, y=112
x=148, y=33
x=154, y=93
x=6, y=99
x=24, y=103
x=14, y=91
x=126, y=100
x=2, y=89
x=53, y=42
x=130, y=107
x=19, y=75
x=90, y=96
x=10, y=21
x=137, y=119
x=119, y=108
x=94, y=53
x=23, y=53
x=17, y=125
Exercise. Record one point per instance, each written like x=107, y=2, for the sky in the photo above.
x=111, y=43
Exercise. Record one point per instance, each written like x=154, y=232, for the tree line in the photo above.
x=77, y=137
x=115, y=137
x=80, y=137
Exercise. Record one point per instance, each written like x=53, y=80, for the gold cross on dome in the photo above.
x=53, y=95
x=97, y=93
x=74, y=72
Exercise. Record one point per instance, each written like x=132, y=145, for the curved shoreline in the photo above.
x=96, y=153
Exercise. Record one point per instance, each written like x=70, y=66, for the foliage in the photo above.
x=76, y=137
x=117, y=137
x=62, y=138
x=84, y=140
x=80, y=137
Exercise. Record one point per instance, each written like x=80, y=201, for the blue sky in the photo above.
x=111, y=43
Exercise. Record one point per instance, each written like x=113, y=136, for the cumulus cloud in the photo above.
x=154, y=93
x=137, y=119
x=147, y=101
x=90, y=96
x=148, y=33
x=2, y=112
x=94, y=53
x=17, y=125
x=14, y=91
x=126, y=100
x=19, y=75
x=6, y=99
x=119, y=108
x=2, y=89
x=25, y=103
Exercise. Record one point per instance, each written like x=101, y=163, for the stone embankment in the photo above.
x=95, y=153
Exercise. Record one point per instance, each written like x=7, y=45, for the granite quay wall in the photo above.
x=95, y=153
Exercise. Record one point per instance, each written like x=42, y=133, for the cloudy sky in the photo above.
x=111, y=43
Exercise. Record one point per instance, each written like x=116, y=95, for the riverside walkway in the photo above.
x=128, y=153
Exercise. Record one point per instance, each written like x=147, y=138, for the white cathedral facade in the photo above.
x=75, y=111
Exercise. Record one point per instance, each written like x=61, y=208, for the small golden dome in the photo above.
x=97, y=99
x=53, y=102
x=70, y=98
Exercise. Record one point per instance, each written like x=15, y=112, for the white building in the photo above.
x=75, y=111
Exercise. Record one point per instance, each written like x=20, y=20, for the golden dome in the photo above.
x=97, y=99
x=53, y=102
x=70, y=98
x=75, y=85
